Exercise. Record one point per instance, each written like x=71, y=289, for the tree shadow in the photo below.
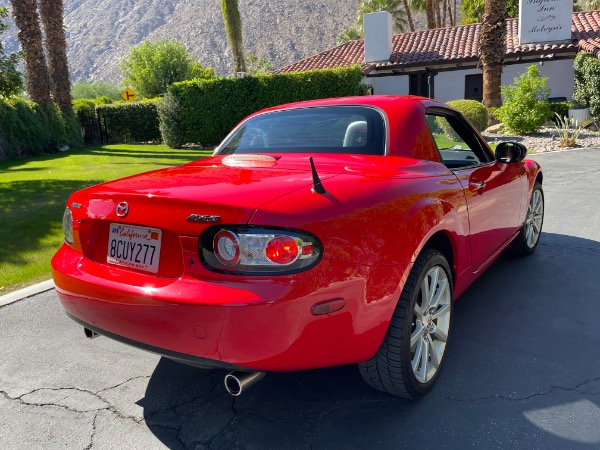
x=518, y=372
x=30, y=212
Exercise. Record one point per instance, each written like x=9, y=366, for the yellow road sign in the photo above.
x=128, y=95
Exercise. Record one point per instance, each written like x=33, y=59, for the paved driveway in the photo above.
x=523, y=367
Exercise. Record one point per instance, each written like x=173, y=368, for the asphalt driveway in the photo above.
x=522, y=369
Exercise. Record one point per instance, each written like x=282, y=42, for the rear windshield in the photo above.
x=330, y=129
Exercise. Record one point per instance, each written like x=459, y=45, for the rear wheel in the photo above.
x=410, y=357
x=529, y=237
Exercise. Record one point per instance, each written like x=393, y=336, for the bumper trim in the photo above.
x=191, y=360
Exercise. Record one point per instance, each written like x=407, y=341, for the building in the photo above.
x=444, y=63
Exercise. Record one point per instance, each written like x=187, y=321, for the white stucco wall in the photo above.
x=395, y=85
x=451, y=85
x=561, y=76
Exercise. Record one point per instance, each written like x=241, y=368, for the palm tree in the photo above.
x=233, y=28
x=27, y=21
x=394, y=7
x=51, y=12
x=492, y=48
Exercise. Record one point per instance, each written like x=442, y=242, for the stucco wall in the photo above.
x=450, y=85
x=396, y=85
x=561, y=76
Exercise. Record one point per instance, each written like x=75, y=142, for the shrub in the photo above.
x=558, y=109
x=473, y=110
x=204, y=111
x=28, y=129
x=587, y=82
x=168, y=112
x=130, y=122
x=526, y=106
x=152, y=66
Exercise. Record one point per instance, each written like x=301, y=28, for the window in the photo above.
x=328, y=129
x=457, y=143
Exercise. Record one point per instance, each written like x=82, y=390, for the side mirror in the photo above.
x=510, y=152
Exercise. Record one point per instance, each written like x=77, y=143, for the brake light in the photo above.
x=282, y=250
x=258, y=250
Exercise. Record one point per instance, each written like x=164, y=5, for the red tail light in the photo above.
x=257, y=250
x=282, y=250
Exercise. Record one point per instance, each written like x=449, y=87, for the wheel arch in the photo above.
x=443, y=243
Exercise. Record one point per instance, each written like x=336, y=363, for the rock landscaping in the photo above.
x=546, y=140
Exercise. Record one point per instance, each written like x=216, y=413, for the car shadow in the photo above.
x=519, y=371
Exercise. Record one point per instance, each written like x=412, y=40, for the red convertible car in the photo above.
x=320, y=233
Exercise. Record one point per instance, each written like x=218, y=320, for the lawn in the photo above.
x=33, y=193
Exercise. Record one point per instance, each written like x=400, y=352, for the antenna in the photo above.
x=317, y=185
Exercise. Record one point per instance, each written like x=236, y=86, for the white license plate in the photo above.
x=134, y=247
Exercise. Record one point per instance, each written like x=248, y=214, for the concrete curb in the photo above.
x=26, y=292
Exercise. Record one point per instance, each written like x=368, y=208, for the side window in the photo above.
x=457, y=147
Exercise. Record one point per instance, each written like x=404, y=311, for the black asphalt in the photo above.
x=522, y=367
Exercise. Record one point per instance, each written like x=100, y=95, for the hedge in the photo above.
x=204, y=111
x=130, y=122
x=473, y=110
x=27, y=129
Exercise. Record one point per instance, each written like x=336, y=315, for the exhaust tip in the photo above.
x=238, y=382
x=90, y=334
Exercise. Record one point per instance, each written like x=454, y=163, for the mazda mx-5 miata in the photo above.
x=319, y=233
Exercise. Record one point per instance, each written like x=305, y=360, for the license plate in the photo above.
x=134, y=247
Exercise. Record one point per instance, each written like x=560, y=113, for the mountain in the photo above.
x=100, y=32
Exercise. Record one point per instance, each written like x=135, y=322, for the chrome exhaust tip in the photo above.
x=237, y=382
x=90, y=334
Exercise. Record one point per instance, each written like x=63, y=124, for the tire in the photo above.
x=529, y=237
x=391, y=369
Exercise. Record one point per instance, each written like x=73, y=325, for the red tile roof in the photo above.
x=447, y=45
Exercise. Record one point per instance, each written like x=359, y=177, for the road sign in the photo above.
x=128, y=95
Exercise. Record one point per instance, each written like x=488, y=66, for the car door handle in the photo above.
x=477, y=185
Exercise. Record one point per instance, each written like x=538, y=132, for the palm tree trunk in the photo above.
x=430, y=10
x=27, y=21
x=51, y=12
x=492, y=49
x=411, y=24
x=438, y=18
x=450, y=17
x=233, y=28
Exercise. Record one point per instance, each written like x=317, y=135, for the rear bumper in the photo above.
x=258, y=324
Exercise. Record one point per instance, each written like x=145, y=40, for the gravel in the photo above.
x=546, y=140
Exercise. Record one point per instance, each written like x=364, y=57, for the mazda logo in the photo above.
x=122, y=209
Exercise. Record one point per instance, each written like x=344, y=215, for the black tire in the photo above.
x=522, y=245
x=391, y=370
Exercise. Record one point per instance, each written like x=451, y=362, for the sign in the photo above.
x=545, y=20
x=128, y=95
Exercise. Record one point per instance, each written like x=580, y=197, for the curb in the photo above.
x=26, y=292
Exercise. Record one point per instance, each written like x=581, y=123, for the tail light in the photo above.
x=259, y=250
x=67, y=225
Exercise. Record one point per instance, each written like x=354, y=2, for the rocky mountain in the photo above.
x=100, y=32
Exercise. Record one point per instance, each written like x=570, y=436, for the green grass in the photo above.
x=33, y=193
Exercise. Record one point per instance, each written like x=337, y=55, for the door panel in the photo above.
x=494, y=199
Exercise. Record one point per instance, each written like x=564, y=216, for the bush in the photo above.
x=28, y=129
x=130, y=122
x=560, y=109
x=587, y=82
x=204, y=111
x=526, y=105
x=169, y=112
x=473, y=110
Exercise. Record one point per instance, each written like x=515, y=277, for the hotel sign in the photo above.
x=545, y=20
